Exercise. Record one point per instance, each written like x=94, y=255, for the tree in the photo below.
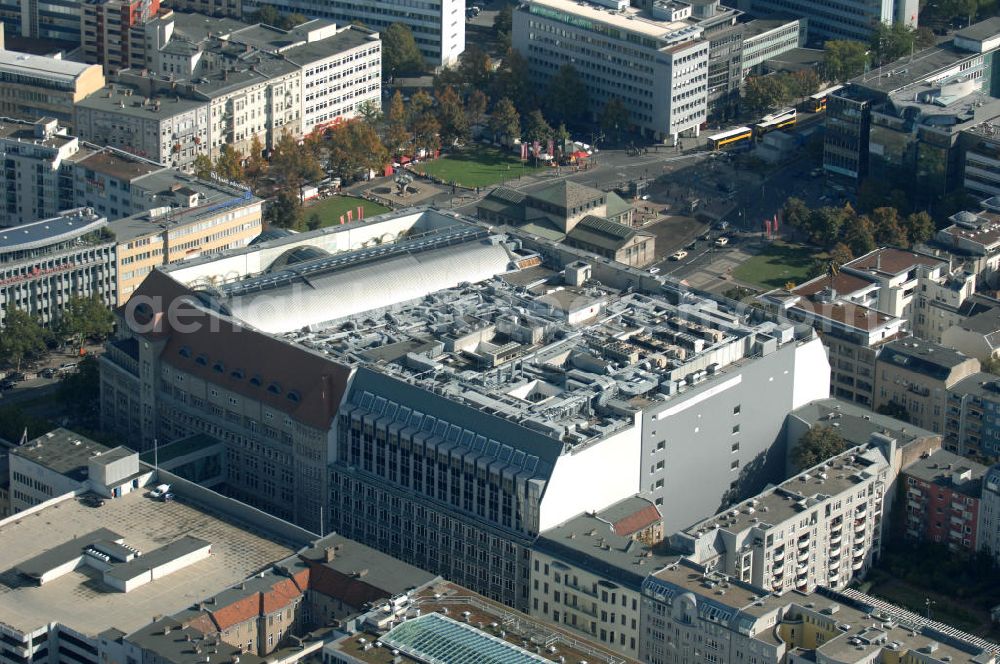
x=353, y=149
x=294, y=164
x=925, y=37
x=400, y=53
x=420, y=104
x=475, y=67
x=426, y=132
x=796, y=213
x=567, y=96
x=888, y=229
x=889, y=43
x=285, y=211
x=859, y=235
x=825, y=225
x=614, y=117
x=314, y=222
x=203, y=167
x=85, y=318
x=22, y=336
x=503, y=24
x=256, y=166
x=505, y=122
x=397, y=136
x=269, y=15
x=475, y=107
x=512, y=81
x=919, y=226
x=841, y=254
x=536, y=128
x=816, y=446
x=762, y=93
x=451, y=117
x=229, y=165
x=802, y=83
x=844, y=59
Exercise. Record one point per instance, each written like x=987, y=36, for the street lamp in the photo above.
x=928, y=602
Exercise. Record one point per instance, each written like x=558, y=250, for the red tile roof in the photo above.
x=203, y=623
x=282, y=594
x=636, y=521
x=844, y=284
x=352, y=591
x=238, y=612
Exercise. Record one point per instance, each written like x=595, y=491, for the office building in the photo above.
x=981, y=151
x=692, y=614
x=766, y=39
x=44, y=264
x=587, y=573
x=113, y=32
x=840, y=20
x=915, y=375
x=942, y=500
x=943, y=86
x=61, y=462
x=662, y=49
x=510, y=435
x=34, y=87
x=438, y=27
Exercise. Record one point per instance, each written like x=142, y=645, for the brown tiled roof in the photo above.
x=636, y=521
x=238, y=612
x=843, y=283
x=890, y=260
x=351, y=590
x=318, y=381
x=283, y=593
x=203, y=623
x=848, y=313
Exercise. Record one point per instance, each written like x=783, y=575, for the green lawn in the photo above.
x=329, y=210
x=777, y=264
x=477, y=166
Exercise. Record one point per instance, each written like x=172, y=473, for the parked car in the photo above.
x=679, y=256
x=160, y=492
x=654, y=270
x=7, y=384
x=67, y=366
x=92, y=500
x=15, y=376
x=47, y=373
x=722, y=241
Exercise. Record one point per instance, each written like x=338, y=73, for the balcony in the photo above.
x=803, y=544
x=779, y=556
x=858, y=564
x=835, y=540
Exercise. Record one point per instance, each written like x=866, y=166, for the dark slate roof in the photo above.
x=922, y=357
x=599, y=232
x=941, y=467
x=566, y=194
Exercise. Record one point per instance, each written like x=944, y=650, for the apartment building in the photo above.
x=663, y=50
x=974, y=237
x=942, y=500
x=943, y=86
x=916, y=375
x=36, y=180
x=587, y=573
x=693, y=614
x=45, y=263
x=34, y=87
x=988, y=528
x=972, y=420
x=438, y=26
x=200, y=90
x=113, y=32
x=820, y=528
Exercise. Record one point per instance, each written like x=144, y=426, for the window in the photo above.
x=736, y=446
x=734, y=465
x=736, y=409
x=736, y=428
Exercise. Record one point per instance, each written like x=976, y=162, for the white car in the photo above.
x=722, y=241
x=679, y=256
x=654, y=270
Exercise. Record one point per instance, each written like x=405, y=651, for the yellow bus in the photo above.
x=730, y=137
x=780, y=120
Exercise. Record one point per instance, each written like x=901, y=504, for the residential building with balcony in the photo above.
x=823, y=527
x=587, y=573
x=916, y=376
x=664, y=49
x=972, y=420
x=113, y=32
x=942, y=500
x=988, y=528
x=34, y=87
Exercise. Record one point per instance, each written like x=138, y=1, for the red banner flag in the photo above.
x=361, y=212
x=341, y=220
x=524, y=151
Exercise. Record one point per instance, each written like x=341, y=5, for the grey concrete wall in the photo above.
x=697, y=456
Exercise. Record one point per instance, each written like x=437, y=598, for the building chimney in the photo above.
x=329, y=554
